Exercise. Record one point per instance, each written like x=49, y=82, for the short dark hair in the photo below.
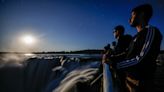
x=146, y=9
x=120, y=29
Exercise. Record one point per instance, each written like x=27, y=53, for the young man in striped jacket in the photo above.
x=139, y=62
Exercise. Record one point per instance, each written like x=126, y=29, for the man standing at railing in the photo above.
x=122, y=43
x=139, y=63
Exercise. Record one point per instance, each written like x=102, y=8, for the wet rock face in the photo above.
x=11, y=79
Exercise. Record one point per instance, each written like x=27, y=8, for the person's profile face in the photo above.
x=133, y=20
x=115, y=33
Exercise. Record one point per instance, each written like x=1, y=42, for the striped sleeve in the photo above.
x=146, y=47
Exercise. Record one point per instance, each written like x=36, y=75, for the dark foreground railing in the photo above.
x=107, y=79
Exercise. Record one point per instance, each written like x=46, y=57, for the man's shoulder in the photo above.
x=156, y=30
x=150, y=27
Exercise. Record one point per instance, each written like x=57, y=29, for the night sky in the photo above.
x=65, y=25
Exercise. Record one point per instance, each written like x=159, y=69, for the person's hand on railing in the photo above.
x=109, y=60
x=106, y=59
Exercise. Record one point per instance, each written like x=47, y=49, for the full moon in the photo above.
x=28, y=39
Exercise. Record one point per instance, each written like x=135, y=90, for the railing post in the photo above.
x=107, y=79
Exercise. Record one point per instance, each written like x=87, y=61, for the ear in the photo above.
x=141, y=15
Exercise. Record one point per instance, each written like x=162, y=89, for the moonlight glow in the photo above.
x=29, y=40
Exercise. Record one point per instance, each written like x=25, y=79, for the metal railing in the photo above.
x=107, y=79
